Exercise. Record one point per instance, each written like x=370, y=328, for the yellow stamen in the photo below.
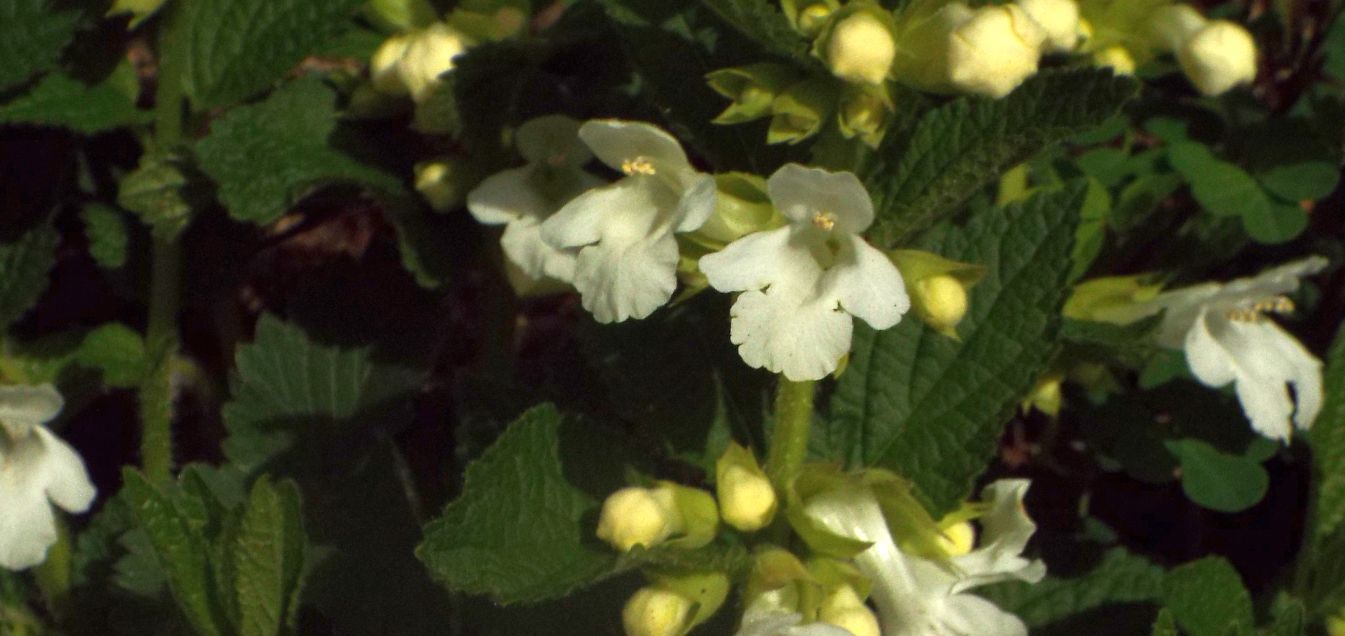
x=1256, y=312
x=824, y=221
x=638, y=165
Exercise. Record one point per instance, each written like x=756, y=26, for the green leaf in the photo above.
x=24, y=262
x=107, y=233
x=267, y=156
x=64, y=102
x=1119, y=578
x=1092, y=233
x=237, y=48
x=181, y=549
x=268, y=559
x=1277, y=223
x=522, y=531
x=32, y=35
x=1217, y=480
x=958, y=148
x=117, y=351
x=1207, y=598
x=1165, y=624
x=1327, y=438
x=1307, y=181
x=933, y=408
x=1219, y=186
x=163, y=191
x=763, y=22
x=289, y=389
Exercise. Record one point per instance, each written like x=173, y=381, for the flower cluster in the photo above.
x=801, y=269
x=866, y=538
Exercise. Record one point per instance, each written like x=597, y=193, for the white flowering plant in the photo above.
x=656, y=318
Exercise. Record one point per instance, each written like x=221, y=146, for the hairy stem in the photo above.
x=793, y=422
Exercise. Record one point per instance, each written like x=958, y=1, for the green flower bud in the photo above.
x=654, y=611
x=638, y=516
x=1045, y=395
x=752, y=89
x=845, y=609
x=1116, y=57
x=938, y=287
x=436, y=182
x=746, y=499
x=809, y=17
x=741, y=208
x=1218, y=57
x=706, y=591
x=774, y=568
x=864, y=113
x=699, y=514
x=798, y=113
x=1171, y=26
x=861, y=45
x=1111, y=299
x=399, y=15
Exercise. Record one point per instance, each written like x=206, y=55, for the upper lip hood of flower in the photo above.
x=623, y=232
x=802, y=283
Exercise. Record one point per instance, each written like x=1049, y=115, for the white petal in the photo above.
x=1006, y=529
x=866, y=284
x=1209, y=361
x=1274, y=281
x=757, y=260
x=620, y=279
x=23, y=407
x=27, y=525
x=786, y=624
x=1271, y=359
x=800, y=193
x=615, y=142
x=505, y=196
x=968, y=615
x=552, y=140
x=785, y=331
x=627, y=207
x=63, y=473
x=523, y=245
x=696, y=204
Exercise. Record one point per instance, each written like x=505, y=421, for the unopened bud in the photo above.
x=429, y=54
x=798, y=112
x=383, y=65
x=864, y=113
x=1058, y=18
x=440, y=184
x=1046, y=395
x=861, y=48
x=813, y=17
x=747, y=501
x=958, y=538
x=1171, y=26
x=941, y=301
x=845, y=609
x=1218, y=57
x=1117, y=58
x=741, y=208
x=638, y=516
x=654, y=611
x=994, y=51
x=752, y=89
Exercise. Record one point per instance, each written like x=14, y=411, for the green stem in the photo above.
x=793, y=422
x=53, y=576
x=156, y=389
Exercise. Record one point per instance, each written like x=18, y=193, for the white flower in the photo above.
x=627, y=264
x=37, y=469
x=920, y=597
x=522, y=198
x=1227, y=338
x=802, y=283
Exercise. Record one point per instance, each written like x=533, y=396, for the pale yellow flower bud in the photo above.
x=437, y=183
x=843, y=608
x=383, y=65
x=994, y=51
x=942, y=301
x=429, y=54
x=813, y=17
x=958, y=539
x=1058, y=18
x=1218, y=57
x=653, y=611
x=1118, y=58
x=861, y=49
x=638, y=516
x=1174, y=24
x=747, y=501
